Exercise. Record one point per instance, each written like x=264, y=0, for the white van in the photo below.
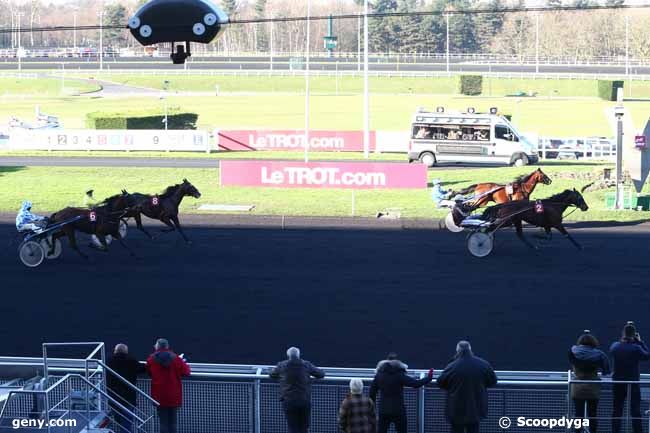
x=467, y=137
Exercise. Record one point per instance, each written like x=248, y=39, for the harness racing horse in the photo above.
x=100, y=220
x=162, y=207
x=520, y=189
x=547, y=213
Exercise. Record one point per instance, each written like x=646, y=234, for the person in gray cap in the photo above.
x=167, y=371
x=295, y=375
x=466, y=380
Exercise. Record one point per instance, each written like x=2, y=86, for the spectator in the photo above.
x=128, y=368
x=294, y=375
x=357, y=412
x=626, y=355
x=586, y=360
x=167, y=370
x=466, y=380
x=390, y=380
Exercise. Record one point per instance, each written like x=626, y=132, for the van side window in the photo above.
x=503, y=133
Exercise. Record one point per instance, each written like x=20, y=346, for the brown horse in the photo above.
x=162, y=207
x=520, y=189
x=100, y=220
x=547, y=213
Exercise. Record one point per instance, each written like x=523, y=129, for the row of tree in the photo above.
x=560, y=34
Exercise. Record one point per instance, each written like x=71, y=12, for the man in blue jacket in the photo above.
x=626, y=355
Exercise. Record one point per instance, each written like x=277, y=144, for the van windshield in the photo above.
x=452, y=132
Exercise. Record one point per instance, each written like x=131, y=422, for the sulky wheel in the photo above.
x=451, y=224
x=56, y=251
x=480, y=244
x=31, y=253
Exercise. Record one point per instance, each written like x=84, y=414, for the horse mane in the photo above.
x=107, y=199
x=560, y=196
x=169, y=190
x=523, y=178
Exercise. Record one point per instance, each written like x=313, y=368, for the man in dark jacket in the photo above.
x=466, y=380
x=295, y=375
x=128, y=368
x=390, y=380
x=626, y=355
x=167, y=370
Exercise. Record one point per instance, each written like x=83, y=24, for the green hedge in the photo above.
x=607, y=89
x=139, y=120
x=470, y=85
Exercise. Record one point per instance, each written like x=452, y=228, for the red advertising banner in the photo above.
x=319, y=141
x=349, y=175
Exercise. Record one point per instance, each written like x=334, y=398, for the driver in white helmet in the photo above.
x=26, y=220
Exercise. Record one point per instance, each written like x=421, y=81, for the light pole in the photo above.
x=164, y=98
x=101, y=38
x=307, y=83
x=74, y=30
x=19, y=52
x=366, y=98
x=537, y=43
x=447, y=54
x=619, y=111
x=627, y=45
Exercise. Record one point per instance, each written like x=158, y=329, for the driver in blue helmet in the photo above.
x=26, y=220
x=440, y=196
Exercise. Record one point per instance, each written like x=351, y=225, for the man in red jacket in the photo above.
x=167, y=370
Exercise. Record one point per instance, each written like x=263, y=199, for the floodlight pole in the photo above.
x=74, y=29
x=19, y=52
x=537, y=43
x=366, y=98
x=101, y=38
x=358, y=44
x=307, y=83
x=619, y=159
x=627, y=45
x=447, y=49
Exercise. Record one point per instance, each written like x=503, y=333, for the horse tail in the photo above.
x=464, y=191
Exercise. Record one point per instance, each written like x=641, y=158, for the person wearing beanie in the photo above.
x=466, y=380
x=295, y=376
x=167, y=371
x=586, y=360
x=626, y=355
x=357, y=412
x=389, y=382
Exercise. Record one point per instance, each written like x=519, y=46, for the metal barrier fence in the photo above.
x=241, y=399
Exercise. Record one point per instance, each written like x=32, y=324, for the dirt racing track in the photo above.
x=246, y=289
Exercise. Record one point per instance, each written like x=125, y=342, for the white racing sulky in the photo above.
x=38, y=243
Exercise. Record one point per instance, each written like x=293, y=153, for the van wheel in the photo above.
x=520, y=161
x=428, y=159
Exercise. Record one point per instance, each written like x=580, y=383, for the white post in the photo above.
x=101, y=37
x=271, y=45
x=19, y=52
x=447, y=24
x=359, y=44
x=627, y=45
x=74, y=30
x=537, y=43
x=366, y=99
x=307, y=83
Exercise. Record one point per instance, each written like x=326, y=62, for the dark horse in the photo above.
x=520, y=189
x=547, y=213
x=162, y=207
x=101, y=220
